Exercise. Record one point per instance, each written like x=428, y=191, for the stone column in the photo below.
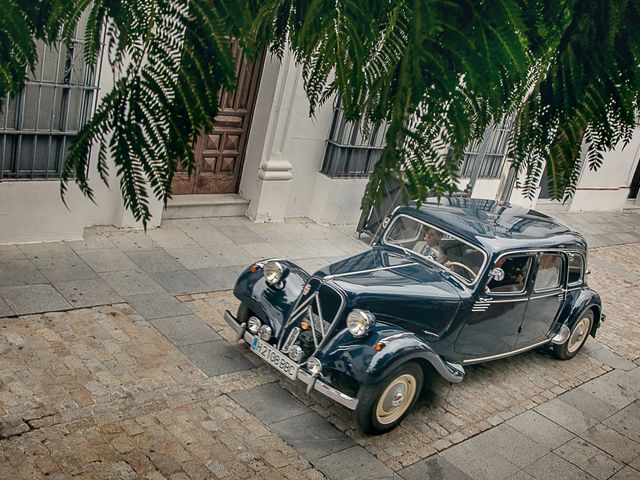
x=276, y=171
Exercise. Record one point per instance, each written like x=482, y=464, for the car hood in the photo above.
x=396, y=288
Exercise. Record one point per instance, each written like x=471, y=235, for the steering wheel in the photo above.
x=462, y=265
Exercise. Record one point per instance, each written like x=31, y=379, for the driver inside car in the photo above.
x=430, y=245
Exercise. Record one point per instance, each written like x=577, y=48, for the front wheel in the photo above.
x=577, y=337
x=382, y=406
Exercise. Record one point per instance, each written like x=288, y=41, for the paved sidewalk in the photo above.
x=148, y=270
x=161, y=391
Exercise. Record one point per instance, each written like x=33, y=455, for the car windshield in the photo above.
x=436, y=245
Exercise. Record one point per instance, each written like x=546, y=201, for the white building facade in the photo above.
x=266, y=158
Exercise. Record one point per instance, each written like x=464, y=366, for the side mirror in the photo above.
x=497, y=274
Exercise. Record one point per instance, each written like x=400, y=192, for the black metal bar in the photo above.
x=53, y=109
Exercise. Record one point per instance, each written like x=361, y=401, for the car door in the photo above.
x=547, y=296
x=492, y=326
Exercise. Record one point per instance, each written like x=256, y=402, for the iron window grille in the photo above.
x=38, y=125
x=350, y=152
x=496, y=152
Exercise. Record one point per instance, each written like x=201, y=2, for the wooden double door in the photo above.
x=220, y=154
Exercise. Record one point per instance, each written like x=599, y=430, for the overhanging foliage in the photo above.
x=438, y=71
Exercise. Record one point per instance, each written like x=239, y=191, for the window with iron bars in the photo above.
x=38, y=125
x=351, y=153
x=496, y=152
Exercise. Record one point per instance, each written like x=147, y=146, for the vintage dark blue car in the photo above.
x=448, y=283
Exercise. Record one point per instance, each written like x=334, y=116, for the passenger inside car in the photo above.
x=516, y=270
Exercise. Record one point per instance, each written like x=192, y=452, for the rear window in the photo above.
x=549, y=272
x=576, y=269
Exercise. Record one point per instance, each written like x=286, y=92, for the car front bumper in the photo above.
x=308, y=379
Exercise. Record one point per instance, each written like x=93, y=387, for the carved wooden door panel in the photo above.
x=220, y=154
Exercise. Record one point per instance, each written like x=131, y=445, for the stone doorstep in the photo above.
x=200, y=206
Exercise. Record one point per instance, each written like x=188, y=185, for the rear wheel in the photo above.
x=382, y=406
x=577, y=337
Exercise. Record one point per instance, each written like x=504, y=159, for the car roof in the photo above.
x=493, y=225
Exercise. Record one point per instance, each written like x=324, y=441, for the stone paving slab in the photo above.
x=131, y=282
x=627, y=421
x=15, y=273
x=34, y=299
x=181, y=257
x=354, y=463
x=588, y=404
x=311, y=435
x=619, y=446
x=220, y=278
x=193, y=258
x=157, y=305
x=152, y=261
x=180, y=282
x=618, y=388
x=9, y=253
x=567, y=416
x=216, y=357
x=627, y=473
x=269, y=403
x=540, y=429
x=552, y=467
x=605, y=355
x=434, y=467
x=88, y=293
x=106, y=259
x=185, y=330
x=5, y=309
x=587, y=457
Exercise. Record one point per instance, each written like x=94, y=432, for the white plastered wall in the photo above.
x=281, y=174
x=607, y=188
x=32, y=211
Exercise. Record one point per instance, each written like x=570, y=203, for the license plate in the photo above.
x=275, y=358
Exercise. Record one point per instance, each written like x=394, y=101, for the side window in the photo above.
x=576, y=269
x=516, y=271
x=549, y=272
x=404, y=230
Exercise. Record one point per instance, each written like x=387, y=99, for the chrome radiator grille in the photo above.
x=321, y=308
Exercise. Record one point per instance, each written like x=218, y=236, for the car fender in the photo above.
x=583, y=300
x=360, y=359
x=270, y=304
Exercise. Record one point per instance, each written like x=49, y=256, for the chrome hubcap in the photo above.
x=578, y=334
x=397, y=399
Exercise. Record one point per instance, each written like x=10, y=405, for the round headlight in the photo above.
x=273, y=272
x=359, y=322
x=265, y=332
x=295, y=353
x=314, y=366
x=253, y=324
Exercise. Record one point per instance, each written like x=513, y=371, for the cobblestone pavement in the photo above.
x=156, y=388
x=101, y=394
x=447, y=414
x=496, y=392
